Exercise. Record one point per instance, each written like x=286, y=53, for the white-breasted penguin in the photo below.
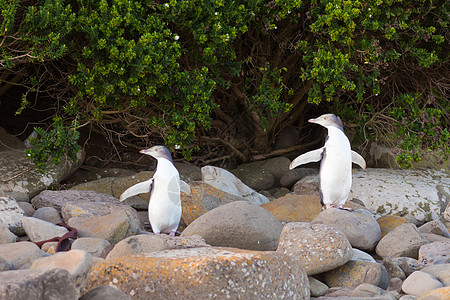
x=164, y=207
x=335, y=176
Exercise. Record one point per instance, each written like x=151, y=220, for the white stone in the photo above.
x=419, y=283
x=226, y=181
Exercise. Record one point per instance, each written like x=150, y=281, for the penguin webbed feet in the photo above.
x=327, y=206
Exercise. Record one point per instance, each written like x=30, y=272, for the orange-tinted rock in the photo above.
x=294, y=208
x=388, y=223
x=437, y=294
x=354, y=273
x=202, y=199
x=204, y=273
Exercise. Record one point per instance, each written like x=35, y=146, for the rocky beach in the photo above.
x=254, y=232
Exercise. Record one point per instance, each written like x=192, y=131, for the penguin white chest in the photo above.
x=336, y=168
x=164, y=209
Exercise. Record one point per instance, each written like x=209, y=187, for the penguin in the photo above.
x=336, y=156
x=164, y=208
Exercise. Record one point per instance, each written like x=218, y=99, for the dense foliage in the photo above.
x=232, y=74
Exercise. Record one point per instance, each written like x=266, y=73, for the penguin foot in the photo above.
x=345, y=208
x=172, y=233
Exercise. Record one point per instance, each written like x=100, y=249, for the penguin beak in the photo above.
x=313, y=120
x=146, y=151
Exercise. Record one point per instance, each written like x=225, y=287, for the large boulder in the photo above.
x=421, y=193
x=238, y=225
x=204, y=273
x=317, y=247
x=294, y=208
x=31, y=182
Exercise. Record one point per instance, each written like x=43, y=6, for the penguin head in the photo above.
x=328, y=120
x=158, y=152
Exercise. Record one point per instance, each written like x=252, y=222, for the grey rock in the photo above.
x=395, y=285
x=54, y=284
x=408, y=297
x=435, y=227
x=93, y=246
x=11, y=214
x=105, y=292
x=31, y=182
x=113, y=227
x=49, y=214
x=6, y=236
x=77, y=262
x=361, y=256
x=10, y=142
x=435, y=253
x=39, y=230
x=355, y=273
x=419, y=283
x=370, y=290
x=137, y=245
x=289, y=178
x=407, y=264
x=359, y=226
x=403, y=241
x=58, y=199
x=238, y=224
x=317, y=247
x=430, y=237
x=188, y=172
x=21, y=254
x=27, y=208
x=81, y=176
x=393, y=269
x=255, y=177
x=316, y=287
x=440, y=272
x=4, y=265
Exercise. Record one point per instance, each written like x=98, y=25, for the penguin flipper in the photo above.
x=185, y=188
x=311, y=156
x=358, y=159
x=139, y=188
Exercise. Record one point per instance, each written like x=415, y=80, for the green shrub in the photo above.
x=194, y=73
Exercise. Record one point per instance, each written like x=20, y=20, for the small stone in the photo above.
x=372, y=291
x=437, y=294
x=440, y=272
x=93, y=246
x=49, y=214
x=435, y=227
x=6, y=236
x=404, y=241
x=39, y=230
x=361, y=256
x=435, y=253
x=21, y=254
x=27, y=208
x=317, y=287
x=388, y=223
x=294, y=208
x=137, y=245
x=105, y=292
x=77, y=262
x=419, y=283
x=393, y=269
x=355, y=273
x=317, y=247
